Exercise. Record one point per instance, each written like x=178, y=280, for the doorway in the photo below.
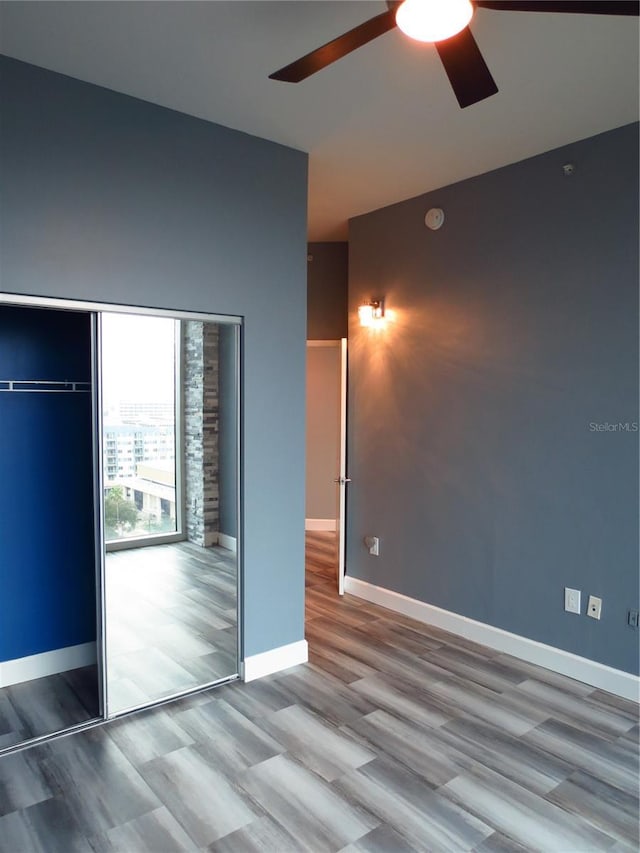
x=326, y=481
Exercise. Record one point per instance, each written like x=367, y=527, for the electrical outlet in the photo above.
x=571, y=600
x=632, y=618
x=373, y=544
x=594, y=607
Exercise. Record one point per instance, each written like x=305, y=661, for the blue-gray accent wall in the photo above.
x=105, y=197
x=478, y=443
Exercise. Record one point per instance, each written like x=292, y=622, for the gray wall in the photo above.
x=514, y=328
x=323, y=430
x=105, y=197
x=327, y=291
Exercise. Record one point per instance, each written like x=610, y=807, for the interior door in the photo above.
x=326, y=447
x=342, y=476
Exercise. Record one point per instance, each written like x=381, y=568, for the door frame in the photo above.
x=341, y=479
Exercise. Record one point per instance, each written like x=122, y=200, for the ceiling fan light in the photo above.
x=433, y=20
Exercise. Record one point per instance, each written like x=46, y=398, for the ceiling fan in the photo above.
x=445, y=23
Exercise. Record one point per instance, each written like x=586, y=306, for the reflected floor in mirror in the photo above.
x=46, y=705
x=171, y=621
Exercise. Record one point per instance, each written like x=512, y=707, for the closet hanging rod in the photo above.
x=44, y=386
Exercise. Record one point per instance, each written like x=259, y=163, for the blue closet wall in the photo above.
x=47, y=577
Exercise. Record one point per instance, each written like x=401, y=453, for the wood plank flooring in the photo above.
x=46, y=705
x=395, y=737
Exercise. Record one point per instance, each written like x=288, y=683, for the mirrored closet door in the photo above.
x=119, y=511
x=170, y=463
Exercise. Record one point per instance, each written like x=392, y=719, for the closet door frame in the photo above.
x=94, y=309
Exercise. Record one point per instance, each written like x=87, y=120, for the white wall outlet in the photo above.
x=594, y=607
x=571, y=600
x=373, y=544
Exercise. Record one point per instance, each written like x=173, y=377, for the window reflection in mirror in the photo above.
x=140, y=374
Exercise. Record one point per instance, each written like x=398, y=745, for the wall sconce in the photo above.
x=371, y=313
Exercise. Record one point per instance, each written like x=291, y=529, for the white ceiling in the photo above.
x=381, y=124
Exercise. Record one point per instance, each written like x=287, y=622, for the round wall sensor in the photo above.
x=434, y=218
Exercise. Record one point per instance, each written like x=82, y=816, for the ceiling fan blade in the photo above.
x=579, y=7
x=466, y=69
x=336, y=49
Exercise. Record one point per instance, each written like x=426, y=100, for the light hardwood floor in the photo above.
x=395, y=737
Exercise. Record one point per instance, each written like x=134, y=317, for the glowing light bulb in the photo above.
x=372, y=313
x=365, y=313
x=433, y=20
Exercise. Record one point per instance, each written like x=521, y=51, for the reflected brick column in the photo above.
x=200, y=382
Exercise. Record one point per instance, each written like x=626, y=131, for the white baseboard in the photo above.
x=47, y=663
x=320, y=524
x=566, y=663
x=228, y=542
x=257, y=666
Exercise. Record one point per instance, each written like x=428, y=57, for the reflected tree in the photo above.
x=119, y=513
